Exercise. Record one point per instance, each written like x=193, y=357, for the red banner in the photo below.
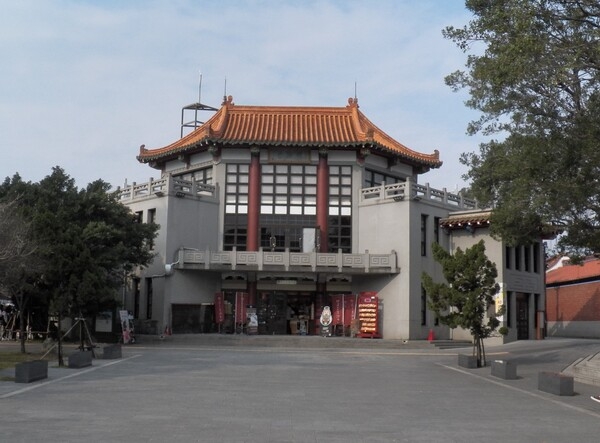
x=343, y=309
x=241, y=300
x=219, y=307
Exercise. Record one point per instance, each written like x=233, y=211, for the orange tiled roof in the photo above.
x=460, y=220
x=572, y=273
x=289, y=126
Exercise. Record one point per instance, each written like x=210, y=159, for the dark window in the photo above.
x=423, y=306
x=536, y=257
x=151, y=215
x=149, y=294
x=507, y=256
x=136, y=297
x=508, y=309
x=526, y=258
x=373, y=178
x=139, y=216
x=436, y=229
x=518, y=258
x=199, y=176
x=423, y=235
x=278, y=232
x=235, y=229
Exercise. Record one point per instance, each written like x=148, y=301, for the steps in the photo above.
x=585, y=370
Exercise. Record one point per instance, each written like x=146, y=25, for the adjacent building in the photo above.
x=276, y=214
x=573, y=299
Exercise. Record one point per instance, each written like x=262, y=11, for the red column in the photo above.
x=252, y=241
x=323, y=198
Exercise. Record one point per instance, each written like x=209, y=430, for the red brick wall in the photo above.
x=573, y=303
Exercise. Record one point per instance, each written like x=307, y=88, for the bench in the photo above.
x=504, y=369
x=80, y=359
x=555, y=383
x=29, y=371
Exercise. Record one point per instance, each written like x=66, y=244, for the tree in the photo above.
x=533, y=70
x=87, y=239
x=19, y=261
x=466, y=299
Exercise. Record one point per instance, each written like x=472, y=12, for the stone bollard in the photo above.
x=555, y=383
x=80, y=359
x=29, y=371
x=504, y=369
x=111, y=352
x=467, y=361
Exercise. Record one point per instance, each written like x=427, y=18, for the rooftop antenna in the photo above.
x=196, y=107
x=355, y=91
x=225, y=91
x=200, y=88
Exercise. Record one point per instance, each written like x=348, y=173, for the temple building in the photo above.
x=271, y=215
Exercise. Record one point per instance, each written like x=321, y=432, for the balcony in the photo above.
x=410, y=190
x=167, y=185
x=308, y=262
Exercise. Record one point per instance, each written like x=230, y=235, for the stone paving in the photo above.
x=186, y=390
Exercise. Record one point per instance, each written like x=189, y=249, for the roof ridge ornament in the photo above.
x=353, y=102
x=228, y=101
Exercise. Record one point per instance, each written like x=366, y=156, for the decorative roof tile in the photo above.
x=287, y=126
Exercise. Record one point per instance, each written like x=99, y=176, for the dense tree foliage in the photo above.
x=86, y=241
x=533, y=70
x=466, y=298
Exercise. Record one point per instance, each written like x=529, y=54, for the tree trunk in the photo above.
x=22, y=330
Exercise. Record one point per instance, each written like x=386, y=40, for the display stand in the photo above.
x=368, y=315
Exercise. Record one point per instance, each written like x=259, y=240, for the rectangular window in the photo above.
x=236, y=187
x=423, y=307
x=423, y=235
x=149, y=294
x=508, y=312
x=372, y=178
x=151, y=216
x=526, y=258
x=536, y=257
x=339, y=234
x=436, y=229
x=136, y=297
x=518, y=258
x=139, y=216
x=508, y=256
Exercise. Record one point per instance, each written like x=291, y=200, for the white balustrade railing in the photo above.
x=287, y=261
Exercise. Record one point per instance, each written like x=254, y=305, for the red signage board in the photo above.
x=368, y=314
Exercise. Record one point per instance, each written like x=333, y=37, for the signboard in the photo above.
x=368, y=314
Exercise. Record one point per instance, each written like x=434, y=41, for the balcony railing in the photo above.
x=414, y=191
x=168, y=185
x=287, y=261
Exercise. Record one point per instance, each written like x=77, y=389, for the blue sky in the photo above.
x=85, y=83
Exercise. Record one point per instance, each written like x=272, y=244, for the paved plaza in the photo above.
x=187, y=391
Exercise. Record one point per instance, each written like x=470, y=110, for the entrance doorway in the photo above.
x=282, y=313
x=522, y=316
